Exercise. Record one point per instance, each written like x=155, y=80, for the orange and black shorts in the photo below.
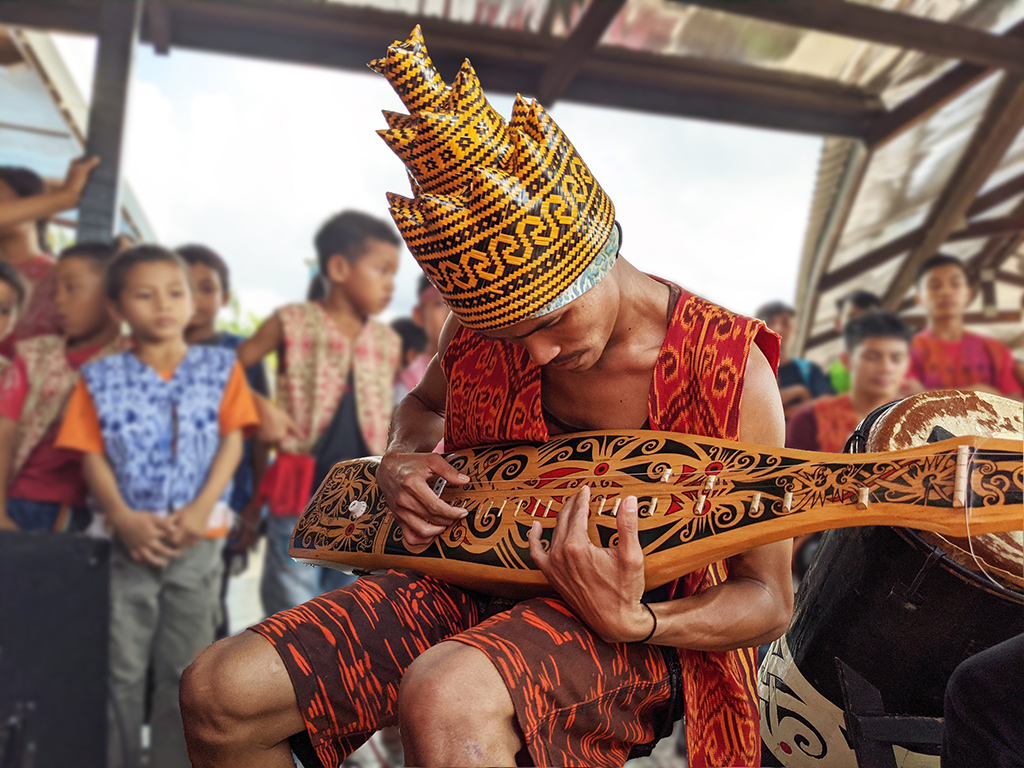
x=579, y=701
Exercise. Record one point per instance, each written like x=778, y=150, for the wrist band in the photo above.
x=654, y=628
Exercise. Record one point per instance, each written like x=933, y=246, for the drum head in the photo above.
x=910, y=423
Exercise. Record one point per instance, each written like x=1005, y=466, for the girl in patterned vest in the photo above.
x=42, y=487
x=336, y=366
x=161, y=427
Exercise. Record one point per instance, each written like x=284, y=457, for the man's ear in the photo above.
x=918, y=300
x=226, y=300
x=417, y=315
x=115, y=312
x=338, y=268
x=844, y=358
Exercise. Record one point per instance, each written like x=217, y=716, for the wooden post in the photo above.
x=99, y=210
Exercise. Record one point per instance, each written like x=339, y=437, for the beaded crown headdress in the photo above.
x=506, y=219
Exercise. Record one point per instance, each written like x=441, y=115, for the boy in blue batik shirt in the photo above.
x=161, y=427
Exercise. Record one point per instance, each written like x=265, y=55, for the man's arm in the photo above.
x=407, y=465
x=604, y=586
x=275, y=424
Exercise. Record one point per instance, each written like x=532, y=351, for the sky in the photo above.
x=250, y=157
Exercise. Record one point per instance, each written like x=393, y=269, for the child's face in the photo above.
x=431, y=313
x=156, y=301
x=944, y=292
x=369, y=282
x=8, y=308
x=80, y=302
x=208, y=296
x=878, y=366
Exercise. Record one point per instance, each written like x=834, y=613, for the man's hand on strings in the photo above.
x=602, y=585
x=406, y=480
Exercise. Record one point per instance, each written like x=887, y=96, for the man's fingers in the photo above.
x=540, y=557
x=567, y=528
x=163, y=549
x=418, y=531
x=420, y=498
x=442, y=468
x=627, y=525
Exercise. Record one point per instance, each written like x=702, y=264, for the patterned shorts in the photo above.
x=579, y=701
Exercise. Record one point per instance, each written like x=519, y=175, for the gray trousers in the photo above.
x=164, y=616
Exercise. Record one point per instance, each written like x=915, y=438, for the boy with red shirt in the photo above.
x=41, y=485
x=947, y=356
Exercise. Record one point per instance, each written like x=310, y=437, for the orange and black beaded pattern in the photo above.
x=504, y=216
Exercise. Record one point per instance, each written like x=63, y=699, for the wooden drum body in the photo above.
x=901, y=607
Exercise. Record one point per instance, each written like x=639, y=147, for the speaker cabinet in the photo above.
x=54, y=627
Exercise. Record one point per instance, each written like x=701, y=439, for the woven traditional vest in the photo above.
x=160, y=436
x=318, y=357
x=50, y=383
x=494, y=396
x=835, y=421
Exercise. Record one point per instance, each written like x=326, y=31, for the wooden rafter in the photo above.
x=587, y=33
x=1000, y=125
x=509, y=61
x=883, y=253
x=158, y=26
x=903, y=30
x=989, y=227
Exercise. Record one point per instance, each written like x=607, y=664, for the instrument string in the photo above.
x=970, y=545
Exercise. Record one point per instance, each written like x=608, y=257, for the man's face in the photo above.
x=878, y=366
x=944, y=292
x=572, y=338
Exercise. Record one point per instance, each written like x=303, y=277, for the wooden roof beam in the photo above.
x=931, y=98
x=585, y=36
x=1000, y=125
x=902, y=30
x=507, y=61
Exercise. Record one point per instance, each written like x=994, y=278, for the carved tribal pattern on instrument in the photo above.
x=689, y=490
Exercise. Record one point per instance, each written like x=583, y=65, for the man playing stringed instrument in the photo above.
x=551, y=332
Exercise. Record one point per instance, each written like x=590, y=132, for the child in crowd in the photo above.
x=429, y=313
x=878, y=357
x=799, y=380
x=947, y=356
x=414, y=343
x=336, y=367
x=848, y=308
x=25, y=207
x=211, y=284
x=41, y=485
x=13, y=293
x=161, y=427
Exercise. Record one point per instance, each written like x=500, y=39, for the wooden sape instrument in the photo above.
x=700, y=500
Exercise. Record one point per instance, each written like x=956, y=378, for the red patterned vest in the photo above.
x=494, y=396
x=835, y=421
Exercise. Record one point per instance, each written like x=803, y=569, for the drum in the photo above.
x=903, y=608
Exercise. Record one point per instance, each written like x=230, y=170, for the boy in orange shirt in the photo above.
x=161, y=427
x=41, y=485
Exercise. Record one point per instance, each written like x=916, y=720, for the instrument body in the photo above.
x=901, y=607
x=700, y=499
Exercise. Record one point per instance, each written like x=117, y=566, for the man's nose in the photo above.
x=541, y=352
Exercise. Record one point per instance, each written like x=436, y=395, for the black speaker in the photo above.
x=54, y=627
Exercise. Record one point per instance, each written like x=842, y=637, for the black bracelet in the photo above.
x=654, y=628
